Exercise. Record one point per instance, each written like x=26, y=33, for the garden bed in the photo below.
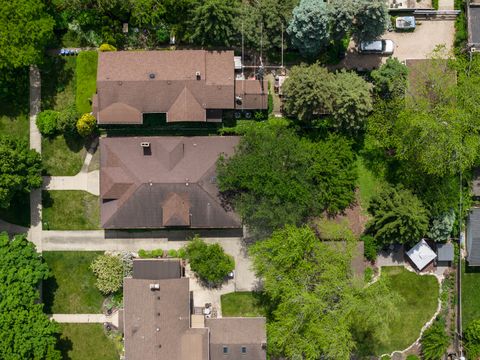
x=70, y=210
x=71, y=289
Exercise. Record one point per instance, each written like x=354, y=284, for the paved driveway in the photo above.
x=414, y=45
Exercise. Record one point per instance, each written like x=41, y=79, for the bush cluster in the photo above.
x=107, y=47
x=51, y=122
x=86, y=125
x=370, y=247
x=157, y=253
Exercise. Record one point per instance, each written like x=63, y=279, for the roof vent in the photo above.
x=145, y=144
x=154, y=287
x=151, y=76
x=197, y=74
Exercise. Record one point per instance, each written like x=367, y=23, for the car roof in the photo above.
x=376, y=45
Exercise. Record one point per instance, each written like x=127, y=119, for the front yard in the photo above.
x=63, y=155
x=243, y=303
x=70, y=210
x=86, y=341
x=420, y=294
x=470, y=294
x=71, y=289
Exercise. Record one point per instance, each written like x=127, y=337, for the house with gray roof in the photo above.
x=158, y=321
x=473, y=237
x=164, y=183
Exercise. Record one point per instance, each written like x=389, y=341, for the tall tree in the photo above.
x=20, y=169
x=213, y=22
x=25, y=331
x=398, y=216
x=309, y=28
x=342, y=14
x=309, y=287
x=371, y=20
x=24, y=32
x=276, y=178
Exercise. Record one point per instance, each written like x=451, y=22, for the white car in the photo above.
x=383, y=47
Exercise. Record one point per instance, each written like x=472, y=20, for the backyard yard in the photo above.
x=86, y=341
x=242, y=303
x=470, y=294
x=70, y=210
x=420, y=301
x=86, y=80
x=71, y=289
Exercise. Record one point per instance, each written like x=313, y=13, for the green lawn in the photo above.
x=420, y=294
x=63, y=156
x=58, y=83
x=71, y=289
x=17, y=126
x=18, y=212
x=242, y=303
x=470, y=294
x=367, y=183
x=86, y=80
x=86, y=341
x=70, y=210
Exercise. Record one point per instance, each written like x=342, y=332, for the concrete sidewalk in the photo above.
x=89, y=182
x=86, y=318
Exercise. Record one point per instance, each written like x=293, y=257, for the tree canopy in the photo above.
x=276, y=178
x=20, y=169
x=391, y=79
x=312, y=298
x=26, y=28
x=371, y=20
x=25, y=331
x=398, y=216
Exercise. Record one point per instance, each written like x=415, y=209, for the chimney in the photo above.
x=197, y=74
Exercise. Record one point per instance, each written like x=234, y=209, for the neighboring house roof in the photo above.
x=250, y=91
x=183, y=84
x=473, y=237
x=152, y=269
x=421, y=254
x=445, y=252
x=170, y=183
x=474, y=23
x=235, y=334
x=157, y=322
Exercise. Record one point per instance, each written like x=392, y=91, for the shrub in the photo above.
x=435, y=341
x=142, y=254
x=182, y=253
x=107, y=47
x=172, y=253
x=86, y=124
x=145, y=254
x=370, y=247
x=471, y=336
x=109, y=271
x=209, y=262
x=67, y=119
x=442, y=226
x=47, y=122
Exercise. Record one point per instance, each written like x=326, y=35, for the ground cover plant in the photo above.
x=70, y=210
x=72, y=288
x=242, y=303
x=86, y=341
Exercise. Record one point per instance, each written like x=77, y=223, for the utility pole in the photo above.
x=282, y=45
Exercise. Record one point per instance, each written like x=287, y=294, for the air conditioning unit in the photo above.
x=145, y=144
x=154, y=287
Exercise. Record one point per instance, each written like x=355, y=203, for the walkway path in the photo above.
x=86, y=318
x=84, y=180
x=446, y=5
x=35, y=232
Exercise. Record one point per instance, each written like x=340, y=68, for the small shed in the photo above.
x=421, y=255
x=445, y=254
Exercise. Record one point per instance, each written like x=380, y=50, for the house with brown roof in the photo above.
x=186, y=85
x=164, y=182
x=158, y=321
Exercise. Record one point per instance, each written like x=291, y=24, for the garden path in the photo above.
x=84, y=180
x=86, y=318
x=35, y=231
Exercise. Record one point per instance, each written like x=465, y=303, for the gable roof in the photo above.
x=156, y=269
x=421, y=254
x=170, y=183
x=473, y=237
x=181, y=83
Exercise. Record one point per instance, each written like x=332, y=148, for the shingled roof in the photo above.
x=169, y=183
x=184, y=84
x=473, y=237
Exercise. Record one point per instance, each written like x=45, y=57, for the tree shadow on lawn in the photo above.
x=56, y=75
x=50, y=287
x=471, y=269
x=65, y=345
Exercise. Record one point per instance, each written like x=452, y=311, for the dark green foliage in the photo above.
x=308, y=289
x=26, y=29
x=25, y=331
x=461, y=31
x=47, y=122
x=209, y=261
x=67, y=120
x=471, y=337
x=20, y=169
x=147, y=254
x=370, y=247
x=368, y=275
x=371, y=20
x=212, y=22
x=435, y=341
x=277, y=178
x=442, y=226
x=398, y=216
x=391, y=79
